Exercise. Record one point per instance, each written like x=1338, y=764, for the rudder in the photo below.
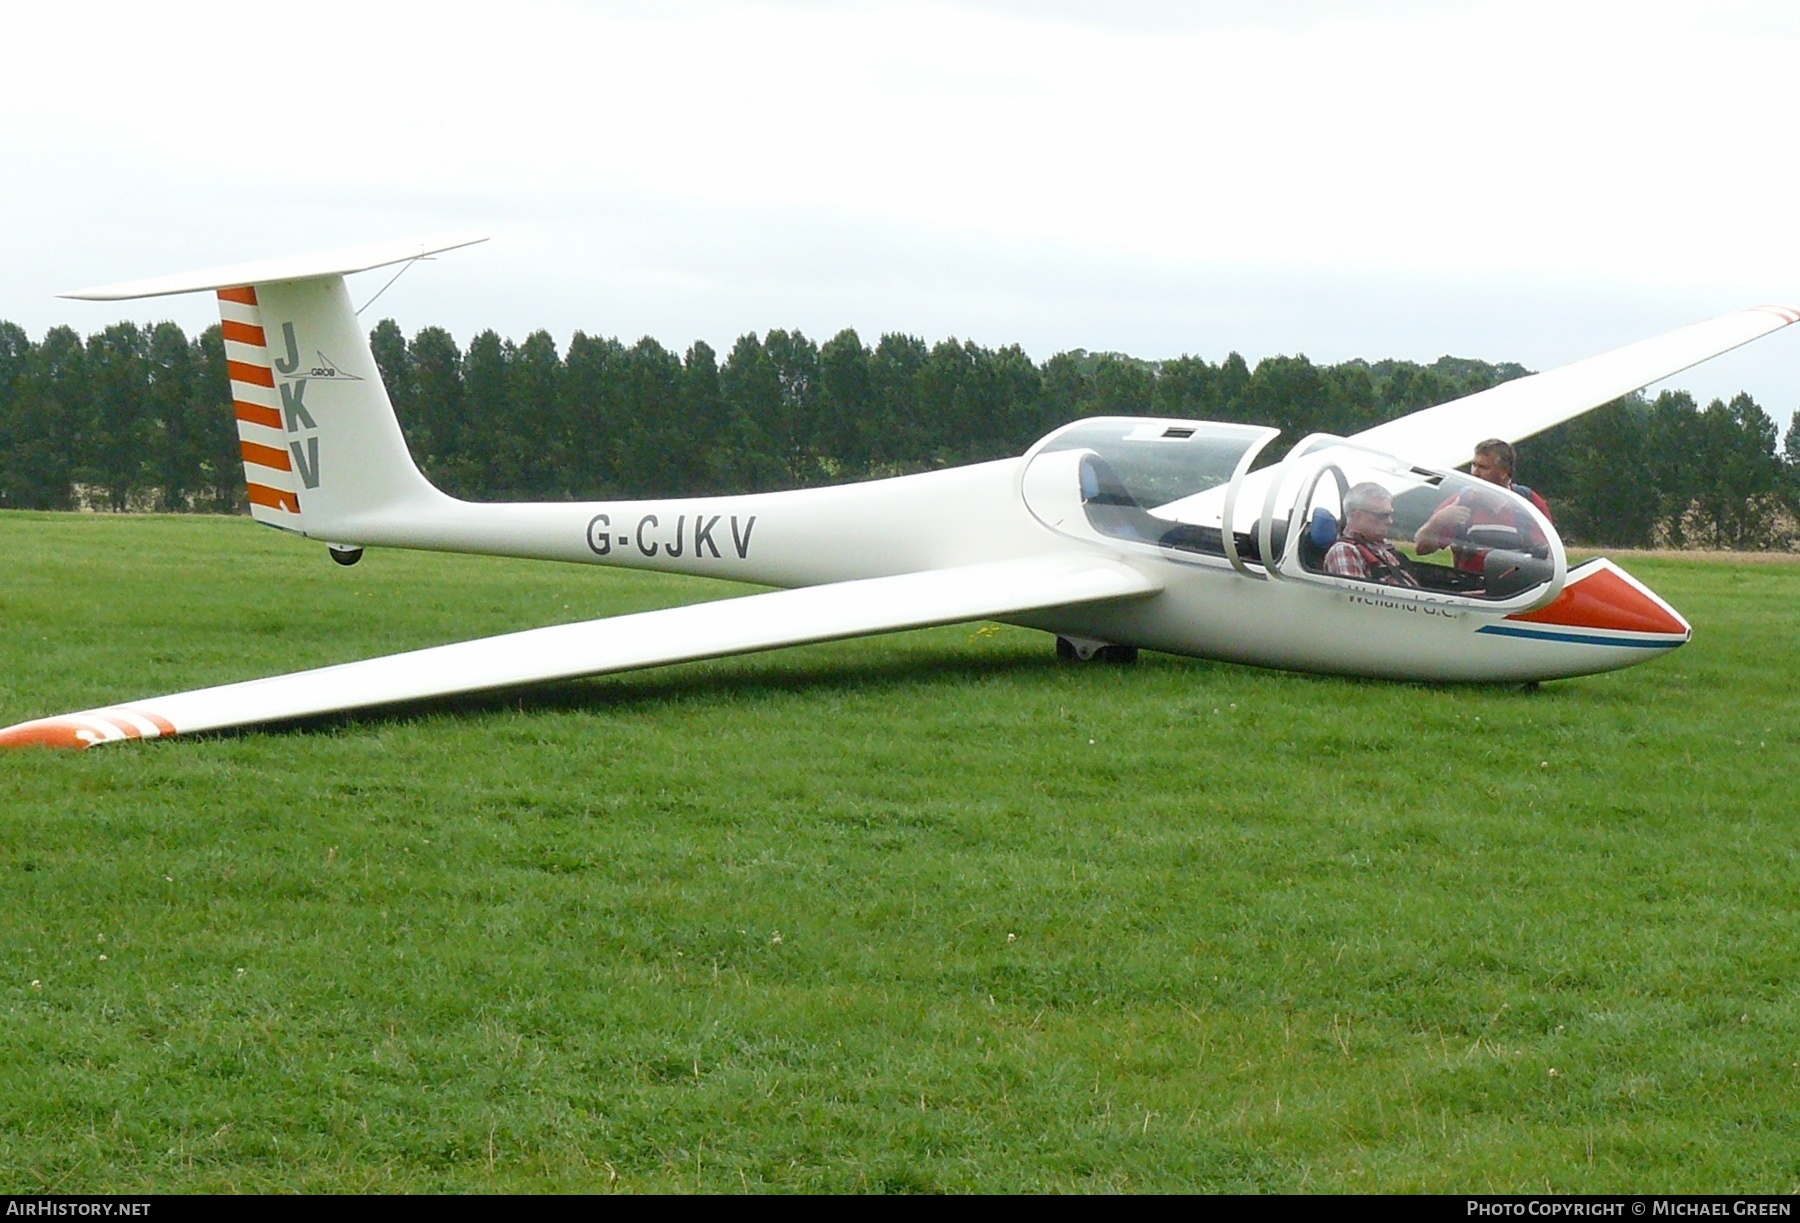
x=268, y=464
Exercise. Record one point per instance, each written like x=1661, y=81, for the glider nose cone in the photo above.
x=1607, y=599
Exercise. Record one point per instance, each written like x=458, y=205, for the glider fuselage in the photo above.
x=976, y=514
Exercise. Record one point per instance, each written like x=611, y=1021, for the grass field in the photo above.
x=922, y=912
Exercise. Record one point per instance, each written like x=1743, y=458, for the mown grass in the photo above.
x=925, y=912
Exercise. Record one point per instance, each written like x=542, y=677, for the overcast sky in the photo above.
x=1510, y=181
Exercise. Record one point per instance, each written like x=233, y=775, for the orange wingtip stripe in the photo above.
x=245, y=296
x=157, y=720
x=266, y=456
x=257, y=414
x=274, y=498
x=50, y=732
x=243, y=333
x=124, y=725
x=1607, y=601
x=254, y=375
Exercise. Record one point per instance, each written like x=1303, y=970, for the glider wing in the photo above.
x=621, y=643
x=1446, y=435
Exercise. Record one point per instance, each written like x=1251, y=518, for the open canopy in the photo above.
x=1180, y=488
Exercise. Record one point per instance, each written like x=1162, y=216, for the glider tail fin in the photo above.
x=323, y=452
x=321, y=445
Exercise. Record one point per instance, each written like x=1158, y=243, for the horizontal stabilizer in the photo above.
x=291, y=267
x=622, y=643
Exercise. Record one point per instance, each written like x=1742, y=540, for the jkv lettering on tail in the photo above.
x=305, y=446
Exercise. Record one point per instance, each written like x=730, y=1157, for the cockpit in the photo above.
x=1186, y=490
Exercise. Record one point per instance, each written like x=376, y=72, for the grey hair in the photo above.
x=1366, y=496
x=1502, y=453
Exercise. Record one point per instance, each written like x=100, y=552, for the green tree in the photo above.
x=1790, y=460
x=751, y=388
x=51, y=425
x=658, y=456
x=173, y=460
x=533, y=435
x=434, y=422
x=214, y=422
x=114, y=459
x=597, y=430
x=387, y=343
x=489, y=443
x=704, y=419
x=1289, y=393
x=1121, y=386
x=1741, y=477
x=846, y=403
x=793, y=427
x=1188, y=387
x=1676, y=456
x=17, y=354
x=897, y=437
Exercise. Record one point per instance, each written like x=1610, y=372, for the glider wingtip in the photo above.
x=65, y=733
x=80, y=730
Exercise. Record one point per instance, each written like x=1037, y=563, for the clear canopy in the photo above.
x=1120, y=476
x=1339, y=512
x=1329, y=512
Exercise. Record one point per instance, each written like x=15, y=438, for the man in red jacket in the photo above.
x=1449, y=524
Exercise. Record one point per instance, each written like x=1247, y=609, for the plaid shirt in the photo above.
x=1347, y=560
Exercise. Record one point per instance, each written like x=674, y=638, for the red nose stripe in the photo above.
x=1606, y=599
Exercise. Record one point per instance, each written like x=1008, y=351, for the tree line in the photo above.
x=141, y=417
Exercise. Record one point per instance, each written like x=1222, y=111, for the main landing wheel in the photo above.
x=344, y=554
x=1080, y=649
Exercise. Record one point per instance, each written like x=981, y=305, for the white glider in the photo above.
x=1113, y=533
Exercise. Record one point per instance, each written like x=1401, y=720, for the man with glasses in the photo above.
x=1362, y=550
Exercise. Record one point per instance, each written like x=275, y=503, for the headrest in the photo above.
x=1323, y=529
x=1090, y=480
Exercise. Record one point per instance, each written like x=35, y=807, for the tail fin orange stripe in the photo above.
x=274, y=498
x=257, y=414
x=266, y=456
x=254, y=375
x=243, y=333
x=245, y=296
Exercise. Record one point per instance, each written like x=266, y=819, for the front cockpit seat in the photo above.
x=1316, y=540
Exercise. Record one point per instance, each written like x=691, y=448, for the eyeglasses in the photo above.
x=1379, y=516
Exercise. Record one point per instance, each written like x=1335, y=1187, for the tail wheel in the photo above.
x=1081, y=649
